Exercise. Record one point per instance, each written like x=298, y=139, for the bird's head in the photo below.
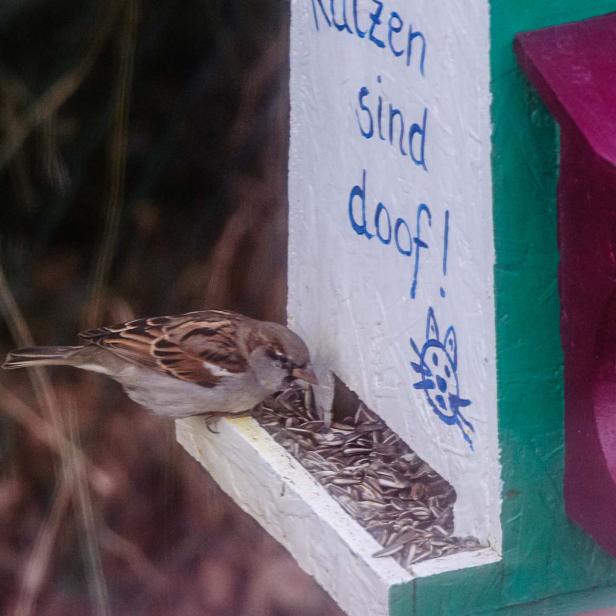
x=278, y=357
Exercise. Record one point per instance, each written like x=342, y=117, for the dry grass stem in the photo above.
x=21, y=335
x=35, y=570
x=55, y=167
x=9, y=121
x=74, y=476
x=72, y=459
x=117, y=161
x=75, y=471
x=21, y=413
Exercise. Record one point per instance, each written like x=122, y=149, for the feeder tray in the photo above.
x=357, y=551
x=374, y=476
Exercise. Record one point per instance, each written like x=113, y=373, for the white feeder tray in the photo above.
x=272, y=486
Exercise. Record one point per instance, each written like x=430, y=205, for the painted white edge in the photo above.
x=270, y=485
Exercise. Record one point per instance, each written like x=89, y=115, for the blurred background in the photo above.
x=143, y=158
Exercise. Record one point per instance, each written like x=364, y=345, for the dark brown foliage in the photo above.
x=143, y=171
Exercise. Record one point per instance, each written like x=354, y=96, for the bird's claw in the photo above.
x=210, y=423
x=211, y=419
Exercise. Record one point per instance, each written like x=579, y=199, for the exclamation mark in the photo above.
x=445, y=248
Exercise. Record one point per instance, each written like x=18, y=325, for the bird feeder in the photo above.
x=422, y=271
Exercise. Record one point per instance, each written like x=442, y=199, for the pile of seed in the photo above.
x=372, y=473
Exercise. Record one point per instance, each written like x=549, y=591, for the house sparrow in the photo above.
x=211, y=362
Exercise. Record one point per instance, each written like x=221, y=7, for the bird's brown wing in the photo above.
x=198, y=347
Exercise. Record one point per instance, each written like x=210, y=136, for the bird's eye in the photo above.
x=280, y=359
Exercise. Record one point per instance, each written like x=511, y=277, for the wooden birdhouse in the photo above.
x=424, y=210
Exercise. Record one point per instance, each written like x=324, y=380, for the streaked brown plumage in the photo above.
x=209, y=362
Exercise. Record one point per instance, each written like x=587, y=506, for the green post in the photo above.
x=549, y=566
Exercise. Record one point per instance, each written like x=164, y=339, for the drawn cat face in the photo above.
x=438, y=370
x=438, y=366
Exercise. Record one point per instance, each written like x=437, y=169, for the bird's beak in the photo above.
x=305, y=374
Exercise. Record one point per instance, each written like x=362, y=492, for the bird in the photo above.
x=214, y=363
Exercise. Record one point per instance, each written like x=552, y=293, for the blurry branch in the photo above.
x=55, y=167
x=265, y=75
x=43, y=431
x=18, y=129
x=122, y=548
x=18, y=169
x=117, y=161
x=73, y=477
x=35, y=569
x=127, y=551
x=73, y=482
x=259, y=219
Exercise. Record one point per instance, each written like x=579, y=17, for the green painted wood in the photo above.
x=573, y=604
x=548, y=564
x=568, y=604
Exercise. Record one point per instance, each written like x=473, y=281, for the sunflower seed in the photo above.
x=389, y=551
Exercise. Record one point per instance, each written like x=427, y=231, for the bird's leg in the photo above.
x=211, y=419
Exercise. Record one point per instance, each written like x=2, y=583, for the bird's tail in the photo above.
x=41, y=356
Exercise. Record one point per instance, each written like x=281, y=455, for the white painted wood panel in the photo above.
x=391, y=240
